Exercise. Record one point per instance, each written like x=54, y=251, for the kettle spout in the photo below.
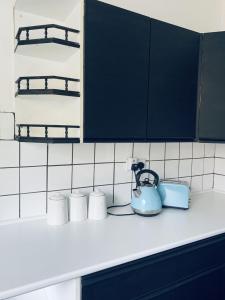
x=137, y=193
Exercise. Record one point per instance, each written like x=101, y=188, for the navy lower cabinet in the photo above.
x=212, y=101
x=195, y=271
x=174, y=59
x=116, y=69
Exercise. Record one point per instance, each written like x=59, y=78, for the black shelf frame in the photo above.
x=46, y=39
x=45, y=139
x=45, y=90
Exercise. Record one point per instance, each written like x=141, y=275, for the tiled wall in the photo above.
x=219, y=178
x=28, y=172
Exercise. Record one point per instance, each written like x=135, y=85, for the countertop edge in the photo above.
x=82, y=272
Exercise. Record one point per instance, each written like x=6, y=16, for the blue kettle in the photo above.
x=146, y=200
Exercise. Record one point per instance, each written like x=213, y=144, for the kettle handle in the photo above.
x=155, y=175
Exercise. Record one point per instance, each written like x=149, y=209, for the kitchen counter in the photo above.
x=34, y=255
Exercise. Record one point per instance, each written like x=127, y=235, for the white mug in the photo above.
x=78, y=207
x=57, y=209
x=97, y=209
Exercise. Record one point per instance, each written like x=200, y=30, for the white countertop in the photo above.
x=34, y=255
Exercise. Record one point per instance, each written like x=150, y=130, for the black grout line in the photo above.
x=114, y=171
x=164, y=161
x=214, y=166
x=179, y=164
x=94, y=166
x=72, y=170
x=203, y=169
x=192, y=152
x=99, y=185
x=102, y=163
x=132, y=175
x=218, y=174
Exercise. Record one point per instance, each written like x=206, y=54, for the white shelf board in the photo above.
x=48, y=51
x=53, y=9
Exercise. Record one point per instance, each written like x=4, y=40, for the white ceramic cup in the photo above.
x=78, y=207
x=97, y=209
x=57, y=210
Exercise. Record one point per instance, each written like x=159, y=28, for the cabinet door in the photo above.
x=212, y=101
x=116, y=67
x=174, y=56
x=183, y=273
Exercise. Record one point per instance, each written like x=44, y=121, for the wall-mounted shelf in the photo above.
x=26, y=133
x=46, y=85
x=54, y=9
x=50, y=41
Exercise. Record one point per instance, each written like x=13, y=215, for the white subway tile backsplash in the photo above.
x=33, y=154
x=123, y=151
x=85, y=191
x=108, y=191
x=9, y=207
x=83, y=175
x=157, y=151
x=83, y=153
x=209, y=165
x=172, y=151
x=196, y=184
x=171, y=169
x=142, y=150
x=220, y=150
x=207, y=182
x=59, y=178
x=103, y=174
x=186, y=150
x=219, y=182
x=198, y=150
x=185, y=168
x=210, y=150
x=187, y=180
x=220, y=166
x=33, y=205
x=32, y=179
x=104, y=153
x=122, y=194
x=197, y=166
x=121, y=173
x=158, y=167
x=9, y=154
x=60, y=154
x=95, y=165
x=9, y=181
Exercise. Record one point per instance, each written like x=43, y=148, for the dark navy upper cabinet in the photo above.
x=212, y=86
x=174, y=57
x=140, y=77
x=116, y=70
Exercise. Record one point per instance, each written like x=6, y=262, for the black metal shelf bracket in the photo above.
x=45, y=28
x=46, y=83
x=27, y=137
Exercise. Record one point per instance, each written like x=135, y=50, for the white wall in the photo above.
x=222, y=16
x=199, y=15
x=6, y=55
